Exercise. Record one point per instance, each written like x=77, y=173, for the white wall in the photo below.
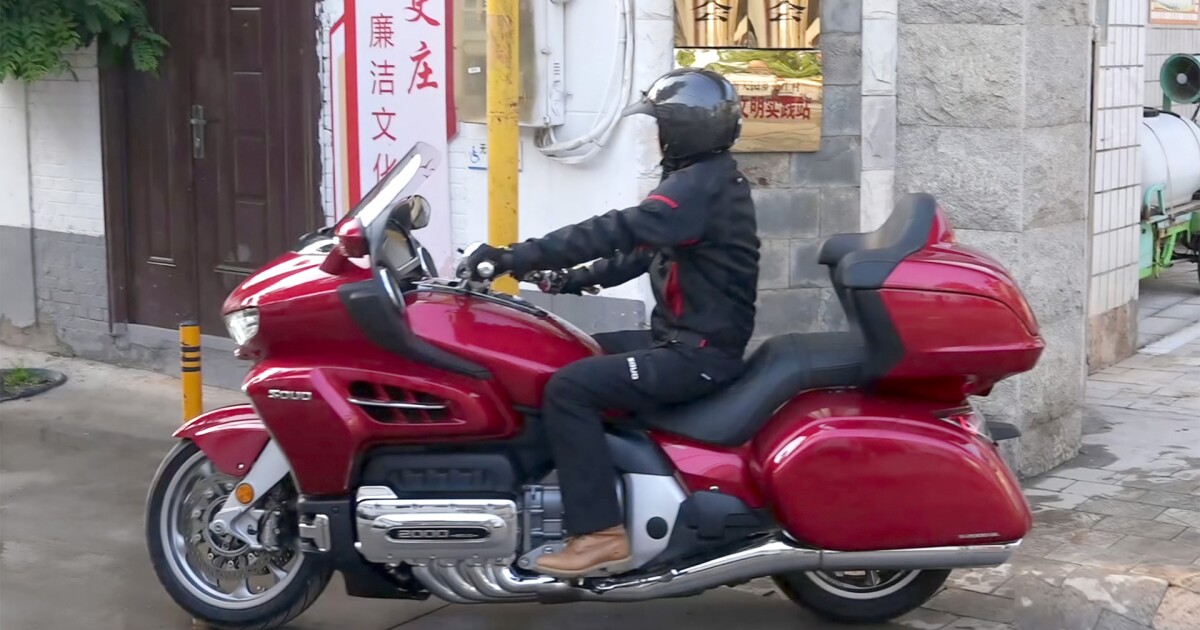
x=553, y=194
x=14, y=156
x=1117, y=181
x=67, y=184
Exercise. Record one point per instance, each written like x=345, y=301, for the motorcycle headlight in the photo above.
x=242, y=325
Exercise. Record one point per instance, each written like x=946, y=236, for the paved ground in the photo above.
x=1116, y=545
x=1168, y=303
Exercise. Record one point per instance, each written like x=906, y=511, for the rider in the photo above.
x=696, y=236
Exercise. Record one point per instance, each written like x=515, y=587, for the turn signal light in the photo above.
x=244, y=493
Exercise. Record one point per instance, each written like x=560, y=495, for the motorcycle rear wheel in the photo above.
x=861, y=597
x=196, y=567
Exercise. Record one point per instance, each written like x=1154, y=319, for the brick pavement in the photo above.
x=1116, y=539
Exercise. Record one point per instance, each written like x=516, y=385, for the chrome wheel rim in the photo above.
x=222, y=571
x=862, y=584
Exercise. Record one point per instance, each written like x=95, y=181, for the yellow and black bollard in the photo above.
x=189, y=369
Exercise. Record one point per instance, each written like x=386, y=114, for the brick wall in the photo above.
x=66, y=191
x=804, y=198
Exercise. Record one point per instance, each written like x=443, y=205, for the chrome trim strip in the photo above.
x=396, y=405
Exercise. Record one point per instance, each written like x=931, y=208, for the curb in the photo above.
x=55, y=378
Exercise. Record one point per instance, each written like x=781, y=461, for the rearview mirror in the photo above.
x=418, y=211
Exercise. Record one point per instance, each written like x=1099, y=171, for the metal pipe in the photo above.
x=503, y=134
x=190, y=376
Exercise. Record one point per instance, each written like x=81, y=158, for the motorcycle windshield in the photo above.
x=401, y=182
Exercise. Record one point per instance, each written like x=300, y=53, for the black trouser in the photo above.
x=633, y=376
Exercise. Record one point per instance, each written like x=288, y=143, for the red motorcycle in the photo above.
x=393, y=435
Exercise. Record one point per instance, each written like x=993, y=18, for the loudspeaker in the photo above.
x=1180, y=78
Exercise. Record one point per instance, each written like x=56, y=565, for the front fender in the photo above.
x=231, y=437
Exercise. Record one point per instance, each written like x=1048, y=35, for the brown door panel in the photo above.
x=212, y=217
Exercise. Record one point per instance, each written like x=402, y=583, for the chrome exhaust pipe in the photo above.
x=775, y=557
x=465, y=584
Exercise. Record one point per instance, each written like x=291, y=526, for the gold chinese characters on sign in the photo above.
x=766, y=50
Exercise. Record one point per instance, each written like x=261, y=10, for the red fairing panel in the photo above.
x=705, y=467
x=848, y=473
x=231, y=437
x=324, y=436
x=521, y=350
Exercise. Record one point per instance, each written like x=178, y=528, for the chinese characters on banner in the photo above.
x=391, y=88
x=1175, y=12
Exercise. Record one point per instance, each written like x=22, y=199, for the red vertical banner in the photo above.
x=393, y=81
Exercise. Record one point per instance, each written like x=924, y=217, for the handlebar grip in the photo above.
x=485, y=269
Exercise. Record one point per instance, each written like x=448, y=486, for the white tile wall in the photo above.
x=881, y=31
x=1117, y=188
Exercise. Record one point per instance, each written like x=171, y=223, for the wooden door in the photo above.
x=223, y=169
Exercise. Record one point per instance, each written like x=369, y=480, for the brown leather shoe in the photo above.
x=606, y=550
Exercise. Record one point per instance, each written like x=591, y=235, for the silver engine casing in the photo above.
x=418, y=531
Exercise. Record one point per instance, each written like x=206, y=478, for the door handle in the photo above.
x=197, y=122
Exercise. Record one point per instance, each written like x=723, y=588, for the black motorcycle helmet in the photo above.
x=698, y=111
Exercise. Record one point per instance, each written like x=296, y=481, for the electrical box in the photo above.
x=541, y=50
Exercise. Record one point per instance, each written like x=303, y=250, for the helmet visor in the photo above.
x=643, y=106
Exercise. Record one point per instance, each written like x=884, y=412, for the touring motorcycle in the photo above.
x=393, y=435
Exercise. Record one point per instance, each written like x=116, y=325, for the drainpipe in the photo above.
x=503, y=136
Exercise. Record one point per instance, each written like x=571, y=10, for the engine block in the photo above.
x=418, y=531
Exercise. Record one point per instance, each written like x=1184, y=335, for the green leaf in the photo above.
x=119, y=35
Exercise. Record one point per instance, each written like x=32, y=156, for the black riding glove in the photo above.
x=561, y=282
x=501, y=258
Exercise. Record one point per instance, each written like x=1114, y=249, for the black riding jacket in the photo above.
x=696, y=236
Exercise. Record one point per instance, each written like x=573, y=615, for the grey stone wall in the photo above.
x=71, y=280
x=802, y=198
x=993, y=119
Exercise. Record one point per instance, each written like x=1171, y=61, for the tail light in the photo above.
x=965, y=418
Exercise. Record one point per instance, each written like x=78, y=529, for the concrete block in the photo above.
x=842, y=113
x=838, y=163
x=793, y=310
x=1049, y=444
x=1056, y=174
x=841, y=58
x=787, y=212
x=878, y=132
x=839, y=211
x=806, y=273
x=841, y=17
x=966, y=12
x=1058, y=74
x=774, y=264
x=766, y=169
x=1052, y=273
x=975, y=173
x=833, y=317
x=1065, y=12
x=1055, y=386
x=961, y=75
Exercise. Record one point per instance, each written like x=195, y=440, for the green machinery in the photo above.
x=1170, y=145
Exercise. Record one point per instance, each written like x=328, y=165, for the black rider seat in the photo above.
x=781, y=368
x=784, y=366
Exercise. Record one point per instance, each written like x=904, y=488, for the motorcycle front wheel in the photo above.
x=216, y=578
x=861, y=597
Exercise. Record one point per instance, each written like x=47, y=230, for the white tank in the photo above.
x=1171, y=156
